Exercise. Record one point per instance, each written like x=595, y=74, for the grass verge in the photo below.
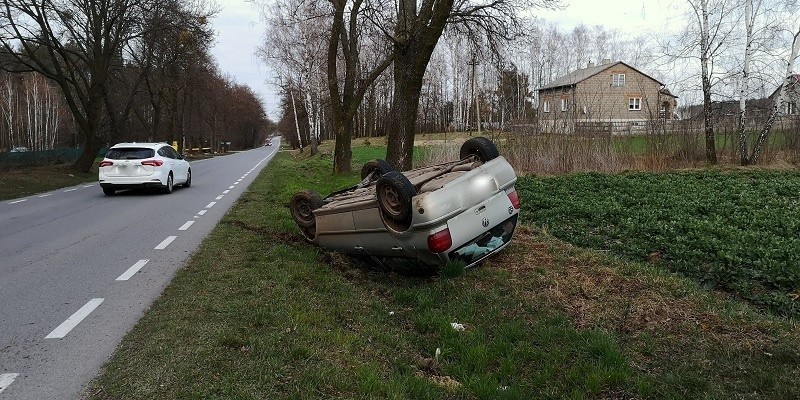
x=16, y=183
x=259, y=313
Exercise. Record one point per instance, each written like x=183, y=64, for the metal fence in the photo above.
x=37, y=158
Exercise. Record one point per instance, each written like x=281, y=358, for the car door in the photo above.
x=181, y=166
x=169, y=161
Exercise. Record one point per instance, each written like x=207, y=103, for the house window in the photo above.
x=546, y=106
x=791, y=108
x=635, y=104
x=563, y=104
x=618, y=80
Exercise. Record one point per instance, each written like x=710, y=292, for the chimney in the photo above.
x=606, y=61
x=590, y=65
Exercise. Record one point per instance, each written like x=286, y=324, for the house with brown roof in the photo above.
x=612, y=97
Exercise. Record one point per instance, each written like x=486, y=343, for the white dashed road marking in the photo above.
x=220, y=197
x=235, y=183
x=70, y=190
x=74, y=320
x=202, y=212
x=186, y=226
x=211, y=204
x=132, y=270
x=163, y=245
x=45, y=195
x=18, y=201
x=87, y=186
x=231, y=187
x=226, y=192
x=6, y=380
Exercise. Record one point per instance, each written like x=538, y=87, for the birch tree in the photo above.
x=779, y=101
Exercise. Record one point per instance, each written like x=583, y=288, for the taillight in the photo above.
x=514, y=199
x=440, y=241
x=153, y=163
x=106, y=163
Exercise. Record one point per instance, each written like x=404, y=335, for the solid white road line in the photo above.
x=74, y=320
x=202, y=212
x=6, y=380
x=226, y=192
x=163, y=245
x=220, y=197
x=132, y=270
x=186, y=225
x=211, y=204
x=18, y=201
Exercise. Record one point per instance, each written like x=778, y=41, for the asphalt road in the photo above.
x=78, y=269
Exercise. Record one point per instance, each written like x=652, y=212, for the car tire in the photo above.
x=109, y=191
x=379, y=165
x=394, y=192
x=302, y=207
x=481, y=147
x=188, y=179
x=169, y=186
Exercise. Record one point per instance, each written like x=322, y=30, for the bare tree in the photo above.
x=346, y=98
x=78, y=46
x=779, y=101
x=417, y=32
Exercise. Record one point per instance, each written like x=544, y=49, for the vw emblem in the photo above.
x=485, y=222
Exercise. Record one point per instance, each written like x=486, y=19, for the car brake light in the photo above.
x=106, y=163
x=154, y=163
x=514, y=199
x=440, y=241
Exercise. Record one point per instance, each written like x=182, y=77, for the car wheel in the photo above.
x=109, y=191
x=480, y=147
x=381, y=166
x=168, y=187
x=188, y=179
x=394, y=193
x=302, y=206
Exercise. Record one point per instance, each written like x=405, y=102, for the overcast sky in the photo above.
x=239, y=33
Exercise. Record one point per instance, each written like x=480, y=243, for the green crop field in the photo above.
x=734, y=231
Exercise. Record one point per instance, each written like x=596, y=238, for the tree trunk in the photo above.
x=343, y=152
x=418, y=33
x=408, y=74
x=711, y=147
x=743, y=91
x=91, y=130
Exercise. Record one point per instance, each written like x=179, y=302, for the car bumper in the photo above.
x=133, y=182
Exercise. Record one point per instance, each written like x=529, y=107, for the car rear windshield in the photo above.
x=130, y=153
x=487, y=243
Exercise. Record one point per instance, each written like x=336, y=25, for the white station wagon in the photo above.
x=143, y=166
x=463, y=210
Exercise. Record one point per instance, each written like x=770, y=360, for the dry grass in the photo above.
x=664, y=324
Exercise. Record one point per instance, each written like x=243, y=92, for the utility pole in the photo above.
x=473, y=63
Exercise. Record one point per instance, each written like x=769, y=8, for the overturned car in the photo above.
x=463, y=210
